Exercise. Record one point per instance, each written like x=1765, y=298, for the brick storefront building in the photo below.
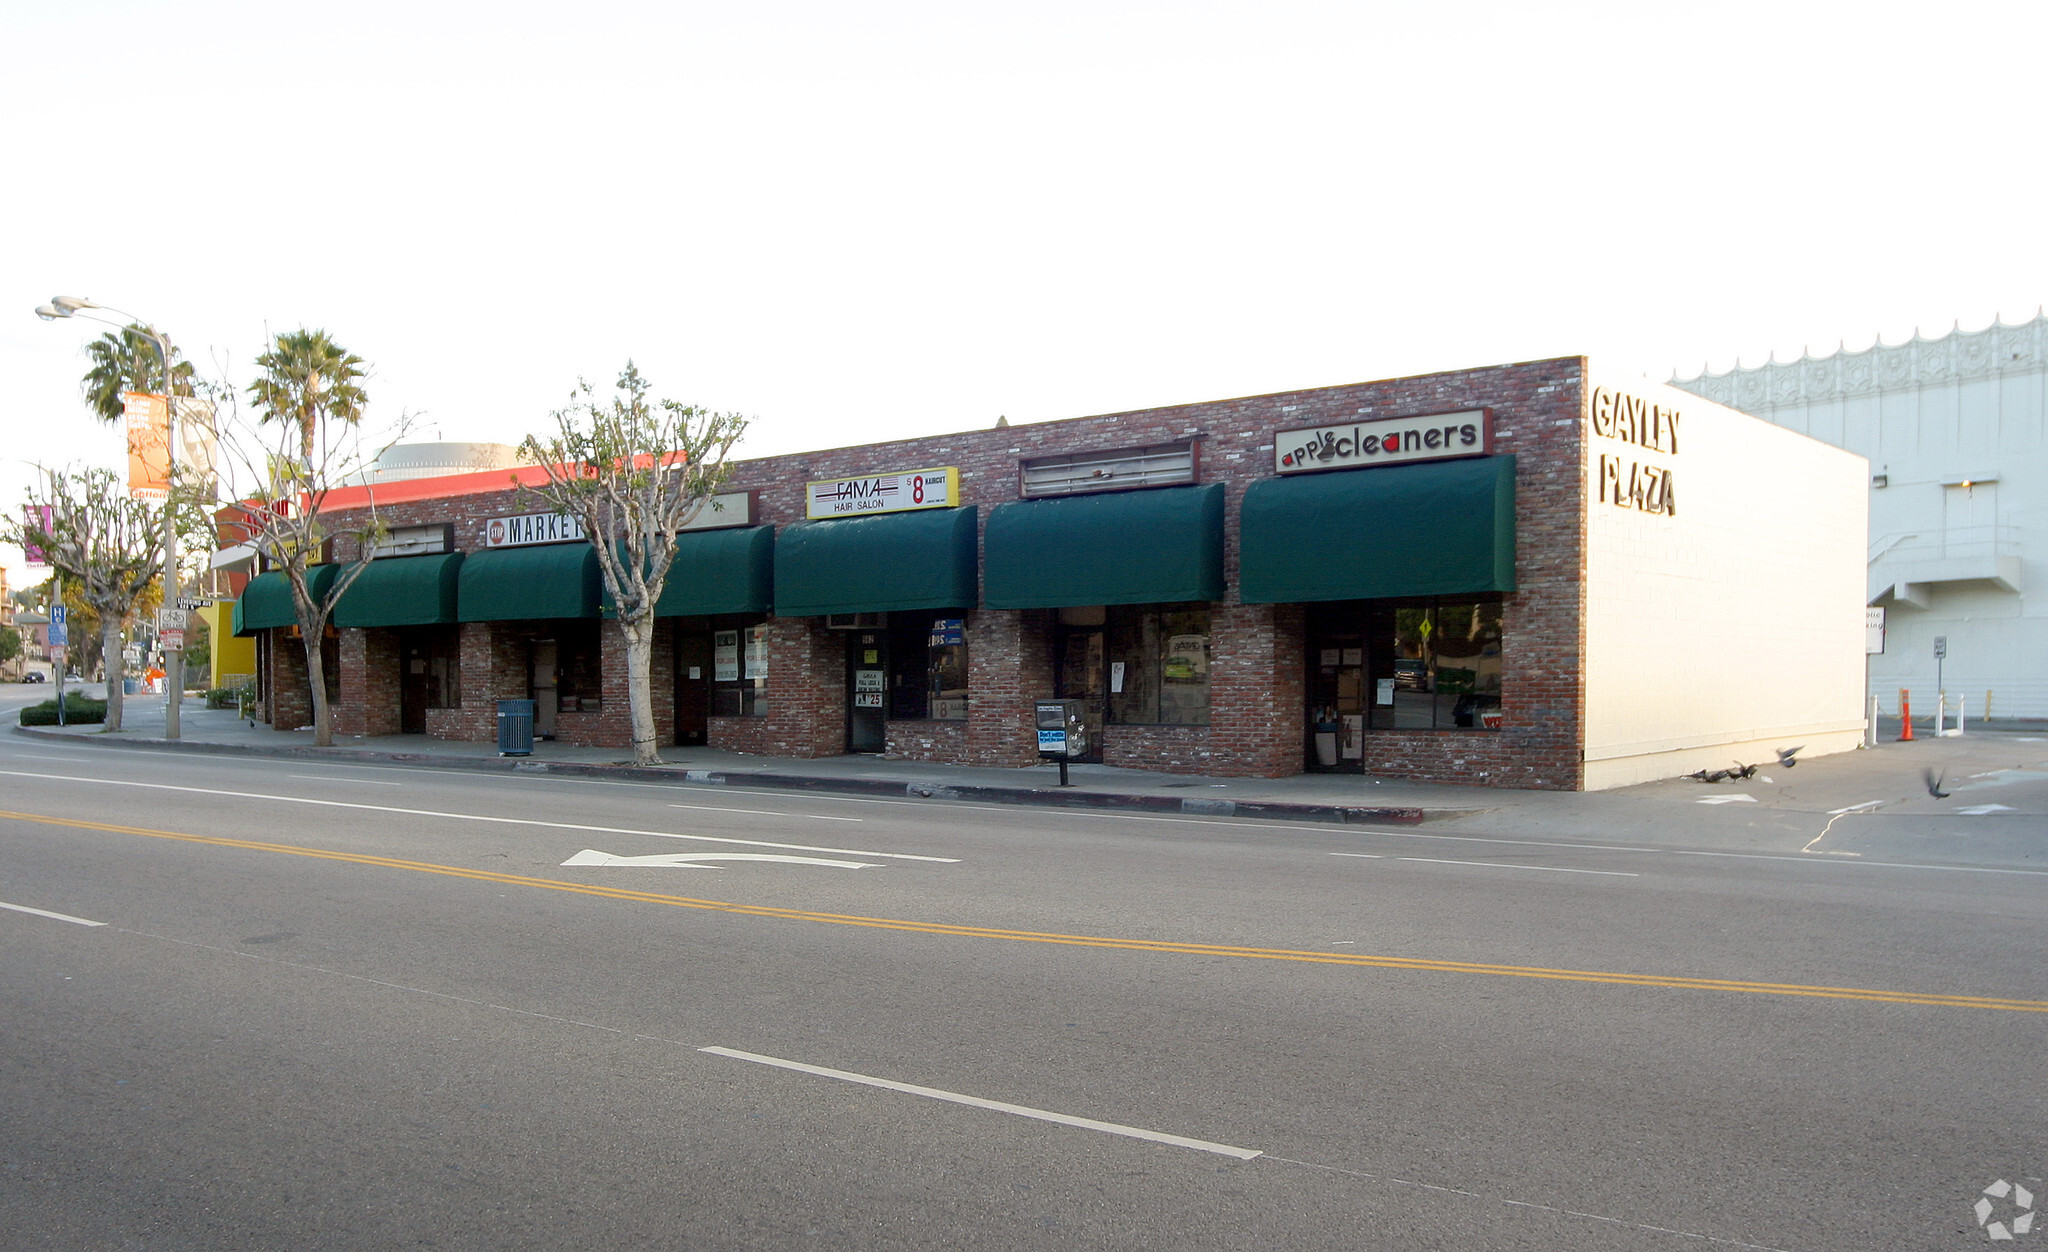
x=1413, y=578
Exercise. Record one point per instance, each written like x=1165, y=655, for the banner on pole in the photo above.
x=37, y=517
x=198, y=447
x=148, y=418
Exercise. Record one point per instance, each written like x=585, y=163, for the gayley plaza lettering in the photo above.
x=1624, y=481
x=1384, y=441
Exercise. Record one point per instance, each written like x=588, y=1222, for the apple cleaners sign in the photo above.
x=1384, y=441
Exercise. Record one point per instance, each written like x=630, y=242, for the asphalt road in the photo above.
x=380, y=1007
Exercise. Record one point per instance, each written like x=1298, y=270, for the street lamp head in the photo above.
x=50, y=312
x=72, y=304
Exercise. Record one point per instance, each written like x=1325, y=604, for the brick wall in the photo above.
x=291, y=694
x=370, y=678
x=1256, y=674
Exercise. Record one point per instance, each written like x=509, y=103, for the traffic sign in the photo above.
x=1940, y=646
x=171, y=619
x=60, y=626
x=195, y=603
x=1873, y=631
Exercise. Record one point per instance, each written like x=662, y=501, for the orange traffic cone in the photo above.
x=1905, y=717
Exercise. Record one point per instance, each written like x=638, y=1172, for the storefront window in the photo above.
x=439, y=656
x=1434, y=665
x=579, y=666
x=739, y=671
x=928, y=666
x=1158, y=657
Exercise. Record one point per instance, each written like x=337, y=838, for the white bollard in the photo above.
x=1940, y=714
x=1870, y=725
x=1961, y=715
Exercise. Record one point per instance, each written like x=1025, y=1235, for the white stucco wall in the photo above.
x=1968, y=563
x=1733, y=626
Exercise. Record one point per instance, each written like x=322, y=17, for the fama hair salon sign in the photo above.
x=1384, y=441
x=531, y=528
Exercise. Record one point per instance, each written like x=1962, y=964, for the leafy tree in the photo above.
x=107, y=547
x=308, y=383
x=10, y=646
x=128, y=361
x=634, y=472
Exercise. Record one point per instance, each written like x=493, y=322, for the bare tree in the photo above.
x=283, y=474
x=634, y=472
x=107, y=546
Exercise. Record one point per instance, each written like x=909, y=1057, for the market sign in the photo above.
x=1384, y=441
x=531, y=528
x=882, y=493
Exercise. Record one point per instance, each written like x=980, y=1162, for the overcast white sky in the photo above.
x=862, y=222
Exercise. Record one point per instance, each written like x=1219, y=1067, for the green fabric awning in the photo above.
x=716, y=571
x=922, y=560
x=720, y=571
x=1434, y=528
x=514, y=584
x=266, y=602
x=1119, y=547
x=402, y=591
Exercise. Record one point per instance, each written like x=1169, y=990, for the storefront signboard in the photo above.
x=1873, y=631
x=727, y=508
x=528, y=529
x=882, y=493
x=1384, y=441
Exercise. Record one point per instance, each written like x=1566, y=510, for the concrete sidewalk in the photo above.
x=1891, y=776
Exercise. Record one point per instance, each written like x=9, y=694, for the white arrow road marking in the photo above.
x=695, y=860
x=1982, y=810
x=1727, y=800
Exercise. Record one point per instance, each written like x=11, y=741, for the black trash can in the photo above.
x=515, y=728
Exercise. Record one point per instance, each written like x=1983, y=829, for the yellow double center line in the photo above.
x=1083, y=941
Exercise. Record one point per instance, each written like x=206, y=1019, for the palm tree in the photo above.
x=127, y=361
x=307, y=379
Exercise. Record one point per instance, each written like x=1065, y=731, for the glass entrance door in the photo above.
x=1339, y=699
x=867, y=691
x=544, y=682
x=693, y=687
x=1081, y=677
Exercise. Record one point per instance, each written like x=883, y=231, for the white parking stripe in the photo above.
x=62, y=917
x=954, y=1097
x=1548, y=869
x=469, y=817
x=816, y=817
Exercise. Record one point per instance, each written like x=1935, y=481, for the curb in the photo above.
x=1276, y=810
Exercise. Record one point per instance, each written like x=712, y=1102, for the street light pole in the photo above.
x=174, y=658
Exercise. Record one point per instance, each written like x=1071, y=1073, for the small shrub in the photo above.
x=224, y=698
x=78, y=711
